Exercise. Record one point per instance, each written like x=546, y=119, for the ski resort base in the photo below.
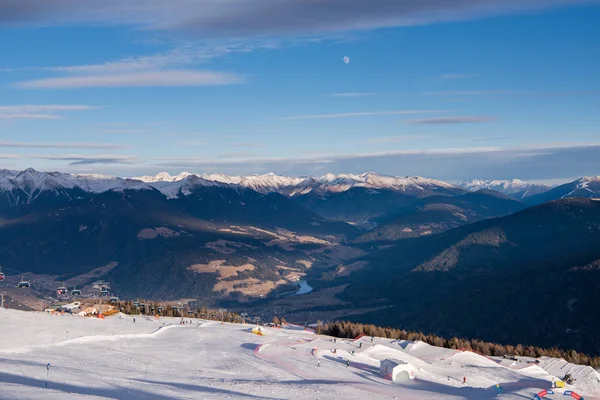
x=71, y=357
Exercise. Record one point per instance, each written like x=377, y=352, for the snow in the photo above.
x=34, y=182
x=160, y=359
x=503, y=186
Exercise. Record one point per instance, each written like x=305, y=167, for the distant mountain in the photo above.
x=529, y=277
x=330, y=183
x=436, y=214
x=515, y=188
x=587, y=187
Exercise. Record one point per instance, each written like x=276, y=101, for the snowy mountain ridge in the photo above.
x=514, y=188
x=32, y=183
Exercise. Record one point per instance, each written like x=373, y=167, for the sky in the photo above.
x=476, y=89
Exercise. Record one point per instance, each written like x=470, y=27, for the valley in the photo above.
x=400, y=251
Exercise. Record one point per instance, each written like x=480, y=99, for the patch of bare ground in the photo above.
x=250, y=287
x=211, y=267
x=153, y=233
x=306, y=263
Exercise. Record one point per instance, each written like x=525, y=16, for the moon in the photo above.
x=346, y=60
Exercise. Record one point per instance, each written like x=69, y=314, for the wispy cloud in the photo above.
x=541, y=161
x=361, y=114
x=124, y=131
x=449, y=120
x=470, y=92
x=9, y=156
x=355, y=94
x=192, y=143
x=392, y=139
x=29, y=116
x=157, y=78
x=239, y=155
x=490, y=139
x=36, y=108
x=457, y=76
x=78, y=159
x=253, y=144
x=39, y=111
x=243, y=18
x=63, y=145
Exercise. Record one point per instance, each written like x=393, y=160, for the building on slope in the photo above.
x=396, y=370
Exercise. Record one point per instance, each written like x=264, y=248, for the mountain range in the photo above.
x=402, y=251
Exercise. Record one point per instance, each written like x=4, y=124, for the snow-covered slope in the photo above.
x=588, y=187
x=515, y=188
x=160, y=359
x=32, y=181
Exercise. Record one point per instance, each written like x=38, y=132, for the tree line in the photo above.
x=168, y=310
x=344, y=329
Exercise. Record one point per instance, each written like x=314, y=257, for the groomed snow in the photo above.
x=160, y=359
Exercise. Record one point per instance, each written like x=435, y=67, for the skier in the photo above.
x=464, y=379
x=134, y=320
x=498, y=388
x=334, y=340
x=347, y=363
x=360, y=345
x=318, y=362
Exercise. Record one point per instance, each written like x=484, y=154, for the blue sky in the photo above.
x=482, y=89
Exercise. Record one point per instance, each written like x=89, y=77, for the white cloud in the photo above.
x=156, y=78
x=252, y=144
x=541, y=161
x=449, y=120
x=63, y=145
x=355, y=94
x=470, y=92
x=192, y=143
x=361, y=114
x=37, y=108
x=243, y=18
x=29, y=116
x=124, y=130
x=392, y=139
x=78, y=159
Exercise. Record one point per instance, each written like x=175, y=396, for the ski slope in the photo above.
x=160, y=359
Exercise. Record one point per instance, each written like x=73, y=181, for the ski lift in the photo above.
x=113, y=300
x=62, y=290
x=23, y=284
x=104, y=293
x=75, y=291
x=160, y=309
x=136, y=304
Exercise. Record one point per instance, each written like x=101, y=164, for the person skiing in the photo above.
x=134, y=320
x=318, y=362
x=360, y=345
x=464, y=379
x=347, y=363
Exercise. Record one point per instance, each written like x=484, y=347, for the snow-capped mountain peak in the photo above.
x=514, y=187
